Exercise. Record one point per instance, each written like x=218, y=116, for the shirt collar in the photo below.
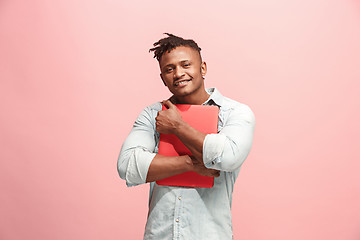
x=215, y=96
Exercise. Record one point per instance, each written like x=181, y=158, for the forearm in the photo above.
x=162, y=167
x=191, y=138
x=169, y=121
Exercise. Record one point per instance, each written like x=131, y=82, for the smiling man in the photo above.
x=184, y=212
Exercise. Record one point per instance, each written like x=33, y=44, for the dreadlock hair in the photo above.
x=169, y=43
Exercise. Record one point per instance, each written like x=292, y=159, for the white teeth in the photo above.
x=181, y=83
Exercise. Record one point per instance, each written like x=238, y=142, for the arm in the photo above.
x=169, y=121
x=137, y=162
x=163, y=167
x=225, y=151
x=137, y=150
x=228, y=149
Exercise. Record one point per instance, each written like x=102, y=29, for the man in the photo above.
x=183, y=212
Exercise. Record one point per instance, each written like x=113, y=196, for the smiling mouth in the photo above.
x=181, y=83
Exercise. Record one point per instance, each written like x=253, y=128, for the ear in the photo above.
x=161, y=76
x=203, y=69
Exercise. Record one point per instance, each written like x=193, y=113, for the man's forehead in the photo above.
x=179, y=54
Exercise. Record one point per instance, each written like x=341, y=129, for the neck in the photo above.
x=194, y=99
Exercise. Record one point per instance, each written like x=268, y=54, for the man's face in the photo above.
x=182, y=71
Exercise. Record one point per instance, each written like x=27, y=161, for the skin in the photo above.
x=181, y=65
x=184, y=63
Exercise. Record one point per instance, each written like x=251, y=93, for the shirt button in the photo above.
x=179, y=197
x=177, y=220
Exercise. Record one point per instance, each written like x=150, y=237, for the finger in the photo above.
x=157, y=116
x=168, y=104
x=163, y=103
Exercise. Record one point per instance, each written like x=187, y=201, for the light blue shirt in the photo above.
x=184, y=212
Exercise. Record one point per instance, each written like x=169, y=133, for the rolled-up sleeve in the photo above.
x=137, y=151
x=227, y=150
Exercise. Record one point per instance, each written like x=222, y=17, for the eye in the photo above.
x=186, y=65
x=167, y=70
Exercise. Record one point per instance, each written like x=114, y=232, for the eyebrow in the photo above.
x=171, y=64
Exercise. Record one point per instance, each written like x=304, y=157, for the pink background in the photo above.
x=75, y=74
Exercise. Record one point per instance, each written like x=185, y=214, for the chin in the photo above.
x=182, y=93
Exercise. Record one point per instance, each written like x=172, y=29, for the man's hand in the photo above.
x=167, y=121
x=199, y=167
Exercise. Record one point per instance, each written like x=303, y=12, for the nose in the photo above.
x=178, y=73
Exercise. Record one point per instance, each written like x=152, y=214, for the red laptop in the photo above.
x=204, y=118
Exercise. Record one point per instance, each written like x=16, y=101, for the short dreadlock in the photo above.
x=169, y=43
